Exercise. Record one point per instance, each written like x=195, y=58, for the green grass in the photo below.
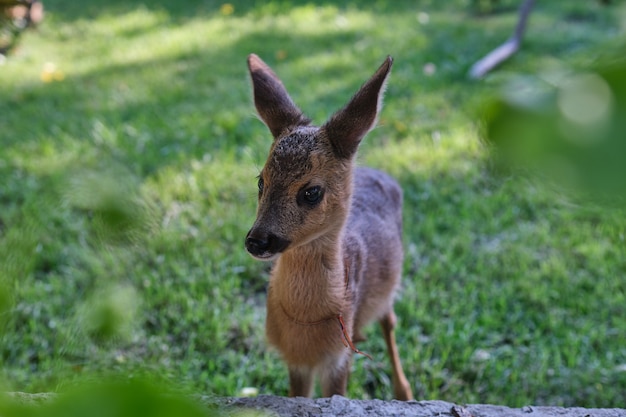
x=127, y=184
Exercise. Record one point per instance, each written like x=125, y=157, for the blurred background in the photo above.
x=129, y=150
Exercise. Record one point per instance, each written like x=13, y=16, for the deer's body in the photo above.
x=334, y=231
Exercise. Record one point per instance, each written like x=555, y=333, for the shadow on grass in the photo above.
x=68, y=10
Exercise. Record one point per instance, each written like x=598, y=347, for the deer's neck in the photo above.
x=309, y=281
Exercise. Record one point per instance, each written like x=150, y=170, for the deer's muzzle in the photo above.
x=263, y=245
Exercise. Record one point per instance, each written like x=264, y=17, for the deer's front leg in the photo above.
x=300, y=382
x=334, y=378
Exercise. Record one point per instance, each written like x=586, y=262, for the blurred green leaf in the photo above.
x=110, y=313
x=112, y=199
x=573, y=132
x=114, y=398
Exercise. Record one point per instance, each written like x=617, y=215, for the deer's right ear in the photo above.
x=271, y=99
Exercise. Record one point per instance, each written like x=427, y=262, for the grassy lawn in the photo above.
x=128, y=155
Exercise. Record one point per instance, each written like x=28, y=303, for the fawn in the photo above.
x=334, y=231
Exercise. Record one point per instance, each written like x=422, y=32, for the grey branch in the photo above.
x=508, y=48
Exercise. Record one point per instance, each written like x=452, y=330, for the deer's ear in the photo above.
x=348, y=126
x=271, y=99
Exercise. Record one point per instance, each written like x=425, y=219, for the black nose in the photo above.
x=264, y=245
x=256, y=246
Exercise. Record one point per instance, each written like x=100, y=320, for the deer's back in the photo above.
x=377, y=197
x=373, y=243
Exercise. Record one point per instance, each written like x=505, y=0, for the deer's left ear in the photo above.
x=348, y=126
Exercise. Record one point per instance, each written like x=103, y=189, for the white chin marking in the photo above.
x=266, y=257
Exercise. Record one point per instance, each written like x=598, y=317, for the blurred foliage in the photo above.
x=15, y=17
x=112, y=398
x=109, y=313
x=569, y=128
x=111, y=198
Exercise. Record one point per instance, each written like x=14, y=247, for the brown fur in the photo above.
x=334, y=231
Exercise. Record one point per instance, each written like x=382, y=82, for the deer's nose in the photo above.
x=265, y=245
x=256, y=245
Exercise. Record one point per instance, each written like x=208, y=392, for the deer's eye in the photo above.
x=261, y=184
x=311, y=196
